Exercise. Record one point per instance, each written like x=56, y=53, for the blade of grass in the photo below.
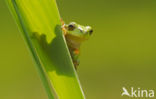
x=39, y=21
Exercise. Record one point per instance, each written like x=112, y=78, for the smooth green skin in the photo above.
x=40, y=24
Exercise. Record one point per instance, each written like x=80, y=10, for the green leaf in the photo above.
x=40, y=24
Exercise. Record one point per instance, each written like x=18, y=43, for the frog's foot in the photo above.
x=76, y=64
x=64, y=31
x=63, y=27
x=62, y=22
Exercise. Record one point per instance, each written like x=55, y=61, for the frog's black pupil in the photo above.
x=91, y=32
x=71, y=27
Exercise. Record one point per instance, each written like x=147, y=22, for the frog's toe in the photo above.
x=76, y=64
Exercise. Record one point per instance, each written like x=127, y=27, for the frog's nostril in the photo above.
x=91, y=32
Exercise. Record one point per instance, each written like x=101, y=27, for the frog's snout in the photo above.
x=89, y=30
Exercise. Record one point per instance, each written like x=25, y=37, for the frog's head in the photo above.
x=74, y=29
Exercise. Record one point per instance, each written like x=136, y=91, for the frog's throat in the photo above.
x=73, y=42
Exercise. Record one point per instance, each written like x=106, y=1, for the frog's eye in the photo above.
x=71, y=27
x=91, y=32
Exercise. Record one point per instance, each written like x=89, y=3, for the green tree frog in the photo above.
x=75, y=34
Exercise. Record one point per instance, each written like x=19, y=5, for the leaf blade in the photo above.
x=40, y=22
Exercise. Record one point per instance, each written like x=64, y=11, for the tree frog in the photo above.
x=75, y=34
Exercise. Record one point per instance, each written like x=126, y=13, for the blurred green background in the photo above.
x=120, y=53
